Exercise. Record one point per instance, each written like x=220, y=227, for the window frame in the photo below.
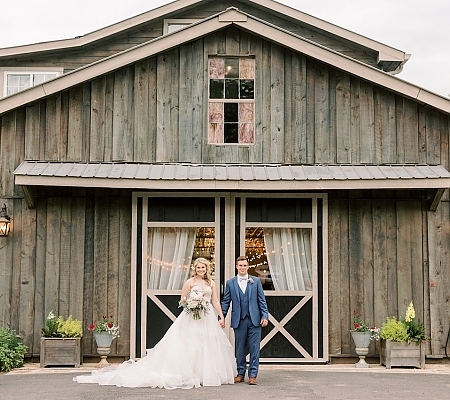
x=183, y=23
x=238, y=101
x=5, y=72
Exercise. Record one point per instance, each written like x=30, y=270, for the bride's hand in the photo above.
x=222, y=322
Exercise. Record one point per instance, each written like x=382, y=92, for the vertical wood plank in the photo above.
x=124, y=293
x=343, y=118
x=185, y=142
x=367, y=132
x=403, y=257
x=32, y=131
x=65, y=258
x=389, y=128
x=411, y=127
x=298, y=121
x=75, y=124
x=98, y=123
x=77, y=243
x=123, y=132
x=321, y=115
x=355, y=126
x=167, y=105
x=356, y=259
x=334, y=281
x=53, y=256
x=53, y=128
x=310, y=111
x=64, y=124
x=112, y=265
x=400, y=128
x=89, y=314
x=39, y=296
x=277, y=101
x=27, y=277
x=345, y=272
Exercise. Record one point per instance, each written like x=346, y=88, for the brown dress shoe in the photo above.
x=238, y=379
x=252, y=381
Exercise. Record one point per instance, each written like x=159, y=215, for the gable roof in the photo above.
x=387, y=55
x=227, y=18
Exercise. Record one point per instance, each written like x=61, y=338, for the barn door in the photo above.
x=282, y=239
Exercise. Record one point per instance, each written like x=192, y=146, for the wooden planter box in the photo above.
x=58, y=352
x=393, y=354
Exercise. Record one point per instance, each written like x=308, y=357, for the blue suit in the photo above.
x=247, y=311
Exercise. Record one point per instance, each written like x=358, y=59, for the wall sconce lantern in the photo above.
x=4, y=221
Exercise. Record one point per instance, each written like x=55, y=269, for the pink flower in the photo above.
x=250, y=280
x=110, y=325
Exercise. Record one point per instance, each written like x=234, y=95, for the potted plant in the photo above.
x=105, y=330
x=61, y=341
x=402, y=341
x=362, y=333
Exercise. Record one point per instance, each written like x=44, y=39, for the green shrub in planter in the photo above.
x=12, y=350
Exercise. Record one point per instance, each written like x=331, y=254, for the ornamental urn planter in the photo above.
x=103, y=340
x=60, y=352
x=394, y=354
x=362, y=342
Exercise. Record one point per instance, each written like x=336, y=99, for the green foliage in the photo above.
x=394, y=330
x=12, y=350
x=58, y=327
x=408, y=330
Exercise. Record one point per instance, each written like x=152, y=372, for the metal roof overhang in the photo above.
x=239, y=177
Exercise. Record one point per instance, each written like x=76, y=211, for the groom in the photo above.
x=248, y=314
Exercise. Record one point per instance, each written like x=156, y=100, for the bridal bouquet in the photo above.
x=195, y=304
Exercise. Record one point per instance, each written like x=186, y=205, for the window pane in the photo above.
x=246, y=112
x=231, y=112
x=280, y=257
x=246, y=133
x=215, y=112
x=216, y=68
x=171, y=251
x=231, y=133
x=247, y=68
x=231, y=88
x=232, y=67
x=216, y=89
x=247, y=89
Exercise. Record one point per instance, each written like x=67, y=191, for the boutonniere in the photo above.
x=250, y=280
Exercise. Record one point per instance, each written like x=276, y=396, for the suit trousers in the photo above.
x=247, y=334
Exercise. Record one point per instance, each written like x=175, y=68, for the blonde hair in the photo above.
x=207, y=276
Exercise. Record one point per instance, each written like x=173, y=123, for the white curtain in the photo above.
x=289, y=258
x=169, y=252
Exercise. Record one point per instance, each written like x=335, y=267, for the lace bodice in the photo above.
x=207, y=291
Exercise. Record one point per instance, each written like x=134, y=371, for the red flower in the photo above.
x=356, y=325
x=91, y=327
x=104, y=317
x=110, y=325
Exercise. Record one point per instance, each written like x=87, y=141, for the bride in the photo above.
x=193, y=352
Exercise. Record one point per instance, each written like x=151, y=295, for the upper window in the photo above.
x=15, y=81
x=231, y=105
x=172, y=25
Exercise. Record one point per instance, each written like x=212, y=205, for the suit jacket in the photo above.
x=256, y=301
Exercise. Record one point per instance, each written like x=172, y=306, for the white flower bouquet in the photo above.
x=195, y=304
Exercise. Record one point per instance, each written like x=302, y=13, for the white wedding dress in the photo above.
x=191, y=353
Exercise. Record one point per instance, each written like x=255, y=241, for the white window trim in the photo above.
x=183, y=22
x=4, y=72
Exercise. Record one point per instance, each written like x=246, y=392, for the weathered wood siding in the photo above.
x=72, y=253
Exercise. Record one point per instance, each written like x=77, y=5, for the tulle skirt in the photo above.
x=191, y=353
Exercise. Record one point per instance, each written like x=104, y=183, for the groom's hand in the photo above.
x=264, y=322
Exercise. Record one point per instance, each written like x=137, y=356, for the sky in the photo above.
x=417, y=27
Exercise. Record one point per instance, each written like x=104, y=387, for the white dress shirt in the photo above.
x=242, y=280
